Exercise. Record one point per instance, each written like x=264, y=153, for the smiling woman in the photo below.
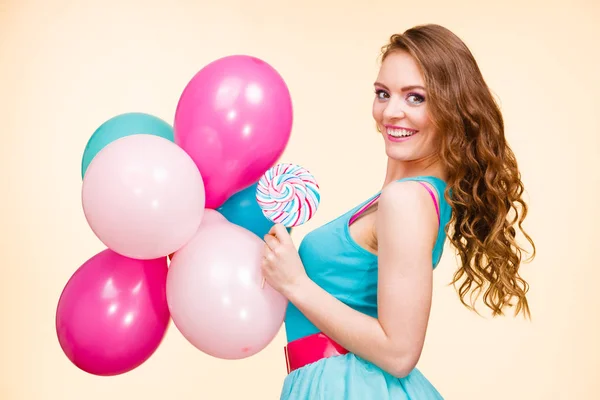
x=360, y=287
x=400, y=109
x=63, y=72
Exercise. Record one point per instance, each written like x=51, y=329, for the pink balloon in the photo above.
x=113, y=313
x=212, y=217
x=143, y=196
x=215, y=296
x=234, y=118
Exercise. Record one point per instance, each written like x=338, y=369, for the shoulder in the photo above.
x=405, y=207
x=397, y=195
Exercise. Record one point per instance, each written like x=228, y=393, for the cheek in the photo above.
x=377, y=111
x=423, y=120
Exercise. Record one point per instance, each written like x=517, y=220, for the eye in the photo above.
x=381, y=94
x=415, y=98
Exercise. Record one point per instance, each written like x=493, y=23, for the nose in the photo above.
x=394, y=109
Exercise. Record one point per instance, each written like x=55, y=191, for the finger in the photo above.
x=268, y=255
x=282, y=234
x=272, y=242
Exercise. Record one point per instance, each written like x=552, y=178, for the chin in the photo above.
x=397, y=154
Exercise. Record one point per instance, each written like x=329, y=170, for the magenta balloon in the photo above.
x=113, y=314
x=234, y=119
x=215, y=296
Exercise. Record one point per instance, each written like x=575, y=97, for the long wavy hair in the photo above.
x=484, y=183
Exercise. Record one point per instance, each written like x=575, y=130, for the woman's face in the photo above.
x=400, y=109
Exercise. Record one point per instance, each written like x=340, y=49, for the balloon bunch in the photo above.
x=177, y=211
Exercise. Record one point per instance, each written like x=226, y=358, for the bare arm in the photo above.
x=406, y=230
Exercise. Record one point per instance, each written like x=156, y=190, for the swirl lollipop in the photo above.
x=288, y=194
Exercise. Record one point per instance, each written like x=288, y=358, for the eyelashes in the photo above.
x=420, y=99
x=379, y=93
x=416, y=97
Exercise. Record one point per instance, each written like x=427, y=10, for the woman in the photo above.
x=360, y=287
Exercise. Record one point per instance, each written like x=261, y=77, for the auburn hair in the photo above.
x=484, y=183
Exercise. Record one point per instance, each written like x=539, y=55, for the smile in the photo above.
x=400, y=134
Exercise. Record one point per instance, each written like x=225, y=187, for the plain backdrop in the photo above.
x=67, y=66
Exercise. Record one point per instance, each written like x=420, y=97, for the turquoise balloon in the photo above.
x=242, y=209
x=120, y=126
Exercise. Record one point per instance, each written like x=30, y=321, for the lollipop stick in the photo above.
x=262, y=286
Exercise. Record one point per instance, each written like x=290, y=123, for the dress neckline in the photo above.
x=369, y=201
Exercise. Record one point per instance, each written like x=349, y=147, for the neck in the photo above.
x=405, y=169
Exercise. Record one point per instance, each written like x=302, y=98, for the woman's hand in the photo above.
x=281, y=265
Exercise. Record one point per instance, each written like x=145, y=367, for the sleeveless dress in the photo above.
x=347, y=271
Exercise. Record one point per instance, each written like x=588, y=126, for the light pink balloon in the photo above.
x=212, y=217
x=215, y=296
x=143, y=196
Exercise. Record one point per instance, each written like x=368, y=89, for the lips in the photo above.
x=400, y=131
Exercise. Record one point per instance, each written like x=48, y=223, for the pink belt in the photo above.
x=309, y=349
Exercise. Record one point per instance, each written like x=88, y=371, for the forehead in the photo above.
x=400, y=69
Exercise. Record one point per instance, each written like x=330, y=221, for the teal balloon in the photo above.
x=242, y=209
x=120, y=126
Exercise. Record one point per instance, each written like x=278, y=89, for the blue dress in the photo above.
x=337, y=263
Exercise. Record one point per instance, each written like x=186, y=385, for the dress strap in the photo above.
x=358, y=214
x=437, y=208
x=366, y=206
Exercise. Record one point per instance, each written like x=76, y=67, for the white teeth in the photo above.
x=400, y=132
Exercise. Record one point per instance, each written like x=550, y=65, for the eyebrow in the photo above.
x=404, y=89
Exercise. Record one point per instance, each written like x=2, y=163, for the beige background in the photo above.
x=66, y=66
